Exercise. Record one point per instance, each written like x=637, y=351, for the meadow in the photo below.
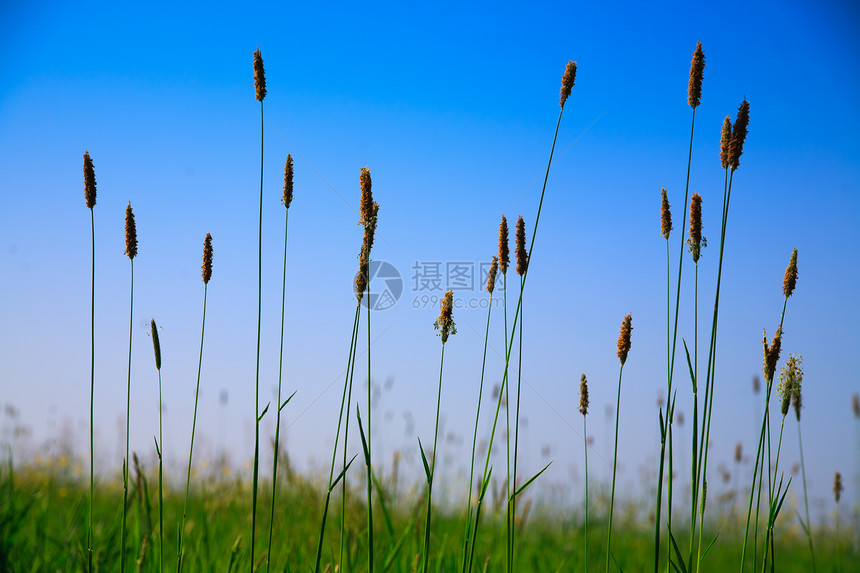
x=362, y=516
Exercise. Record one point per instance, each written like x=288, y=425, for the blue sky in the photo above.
x=453, y=108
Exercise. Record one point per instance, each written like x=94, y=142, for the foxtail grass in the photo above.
x=623, y=350
x=286, y=200
x=522, y=266
x=260, y=94
x=159, y=447
x=665, y=231
x=445, y=327
x=206, y=274
x=583, y=409
x=90, y=198
x=131, y=252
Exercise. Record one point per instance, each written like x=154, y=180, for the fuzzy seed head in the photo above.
x=89, y=181
x=259, y=76
x=445, y=323
x=491, y=275
x=665, y=215
x=771, y=354
x=624, y=338
x=361, y=278
x=567, y=81
x=130, y=233
x=366, y=208
x=288, y=182
x=583, y=395
x=697, y=71
x=522, y=255
x=725, y=142
x=704, y=495
x=790, y=279
x=156, y=345
x=837, y=486
x=790, y=379
x=738, y=452
x=695, y=241
x=504, y=251
x=739, y=135
x=207, y=259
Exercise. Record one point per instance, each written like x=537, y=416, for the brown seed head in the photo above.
x=837, y=486
x=445, y=323
x=89, y=181
x=665, y=215
x=855, y=405
x=738, y=452
x=259, y=76
x=695, y=240
x=130, y=233
x=288, y=182
x=697, y=71
x=624, y=338
x=366, y=208
x=520, y=251
x=583, y=395
x=725, y=142
x=739, y=135
x=361, y=277
x=207, y=259
x=491, y=275
x=790, y=279
x=567, y=81
x=156, y=345
x=504, y=251
x=771, y=355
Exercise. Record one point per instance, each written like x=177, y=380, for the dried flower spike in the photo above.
x=89, y=181
x=130, y=233
x=739, y=135
x=665, y=215
x=790, y=379
x=491, y=275
x=288, y=182
x=366, y=207
x=259, y=76
x=790, y=279
x=583, y=395
x=445, y=323
x=156, y=345
x=695, y=240
x=697, y=71
x=771, y=355
x=624, y=338
x=520, y=251
x=837, y=486
x=504, y=251
x=207, y=259
x=567, y=81
x=725, y=142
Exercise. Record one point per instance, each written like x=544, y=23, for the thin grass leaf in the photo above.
x=533, y=478
x=363, y=439
x=287, y=401
x=157, y=449
x=711, y=544
x=690, y=366
x=427, y=471
x=266, y=409
x=486, y=484
x=342, y=473
x=802, y=524
x=683, y=567
x=662, y=428
x=779, y=507
x=389, y=561
x=617, y=564
x=385, y=513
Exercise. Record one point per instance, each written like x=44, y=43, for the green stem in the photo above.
x=585, y=527
x=614, y=468
x=805, y=497
x=516, y=434
x=369, y=439
x=659, y=509
x=257, y=385
x=127, y=426
x=694, y=477
x=278, y=404
x=90, y=539
x=181, y=552
x=160, y=480
x=433, y=467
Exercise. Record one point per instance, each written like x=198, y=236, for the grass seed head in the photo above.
x=491, y=275
x=207, y=259
x=522, y=255
x=697, y=71
x=259, y=76
x=739, y=135
x=288, y=182
x=738, y=452
x=130, y=233
x=725, y=142
x=837, y=486
x=89, y=181
x=504, y=251
x=583, y=395
x=624, y=338
x=366, y=196
x=771, y=354
x=695, y=242
x=445, y=323
x=567, y=81
x=665, y=215
x=756, y=385
x=156, y=345
x=790, y=279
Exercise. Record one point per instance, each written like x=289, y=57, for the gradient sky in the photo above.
x=453, y=107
